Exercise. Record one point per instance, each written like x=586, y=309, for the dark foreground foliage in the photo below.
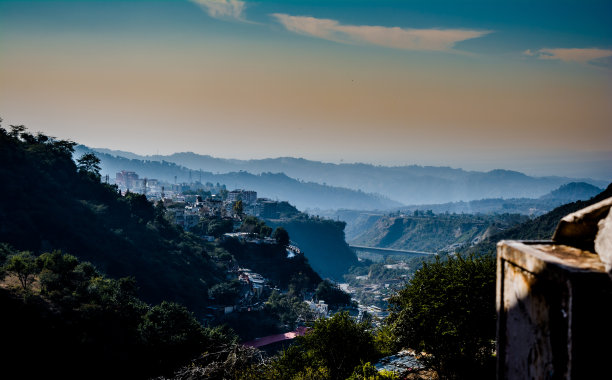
x=448, y=311
x=72, y=322
x=50, y=202
x=334, y=349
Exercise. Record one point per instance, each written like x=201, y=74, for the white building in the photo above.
x=246, y=196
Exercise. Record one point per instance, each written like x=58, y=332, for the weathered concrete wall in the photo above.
x=554, y=305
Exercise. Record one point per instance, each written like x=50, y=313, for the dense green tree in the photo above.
x=225, y=293
x=332, y=349
x=385, y=340
x=265, y=231
x=56, y=262
x=22, y=265
x=91, y=321
x=218, y=227
x=253, y=225
x=5, y=251
x=238, y=207
x=170, y=324
x=141, y=208
x=288, y=310
x=332, y=294
x=56, y=273
x=367, y=371
x=281, y=235
x=171, y=334
x=291, y=364
x=299, y=284
x=89, y=163
x=340, y=344
x=273, y=263
x=160, y=212
x=448, y=310
x=66, y=209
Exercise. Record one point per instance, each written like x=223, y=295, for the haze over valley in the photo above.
x=292, y=190
x=318, y=185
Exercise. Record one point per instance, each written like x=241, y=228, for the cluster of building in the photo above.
x=251, y=205
x=186, y=204
x=186, y=207
x=253, y=294
x=158, y=190
x=320, y=309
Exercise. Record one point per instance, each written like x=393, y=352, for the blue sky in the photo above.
x=521, y=85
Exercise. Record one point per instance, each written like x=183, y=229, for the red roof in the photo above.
x=260, y=342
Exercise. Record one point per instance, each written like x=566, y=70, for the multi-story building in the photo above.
x=127, y=180
x=246, y=196
x=267, y=208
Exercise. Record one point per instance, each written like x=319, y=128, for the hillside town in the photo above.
x=190, y=201
x=186, y=204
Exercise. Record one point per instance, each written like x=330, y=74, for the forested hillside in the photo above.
x=425, y=231
x=57, y=218
x=358, y=222
x=541, y=228
x=67, y=320
x=322, y=241
x=50, y=203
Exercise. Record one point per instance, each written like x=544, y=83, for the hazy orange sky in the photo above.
x=370, y=81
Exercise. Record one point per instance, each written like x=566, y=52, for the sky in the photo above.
x=480, y=85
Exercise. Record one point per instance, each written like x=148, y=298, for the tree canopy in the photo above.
x=281, y=235
x=89, y=163
x=448, y=311
x=332, y=294
x=67, y=208
x=23, y=266
x=332, y=349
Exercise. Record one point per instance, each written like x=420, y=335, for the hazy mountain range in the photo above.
x=302, y=194
x=533, y=207
x=453, y=224
x=403, y=184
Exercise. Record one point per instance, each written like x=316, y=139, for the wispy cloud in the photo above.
x=223, y=9
x=570, y=55
x=392, y=37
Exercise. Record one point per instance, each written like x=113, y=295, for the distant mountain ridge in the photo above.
x=405, y=184
x=570, y=192
x=573, y=191
x=433, y=233
x=304, y=195
x=381, y=230
x=541, y=228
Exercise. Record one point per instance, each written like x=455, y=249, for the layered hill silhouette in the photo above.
x=303, y=194
x=541, y=228
x=405, y=184
x=49, y=203
x=451, y=225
